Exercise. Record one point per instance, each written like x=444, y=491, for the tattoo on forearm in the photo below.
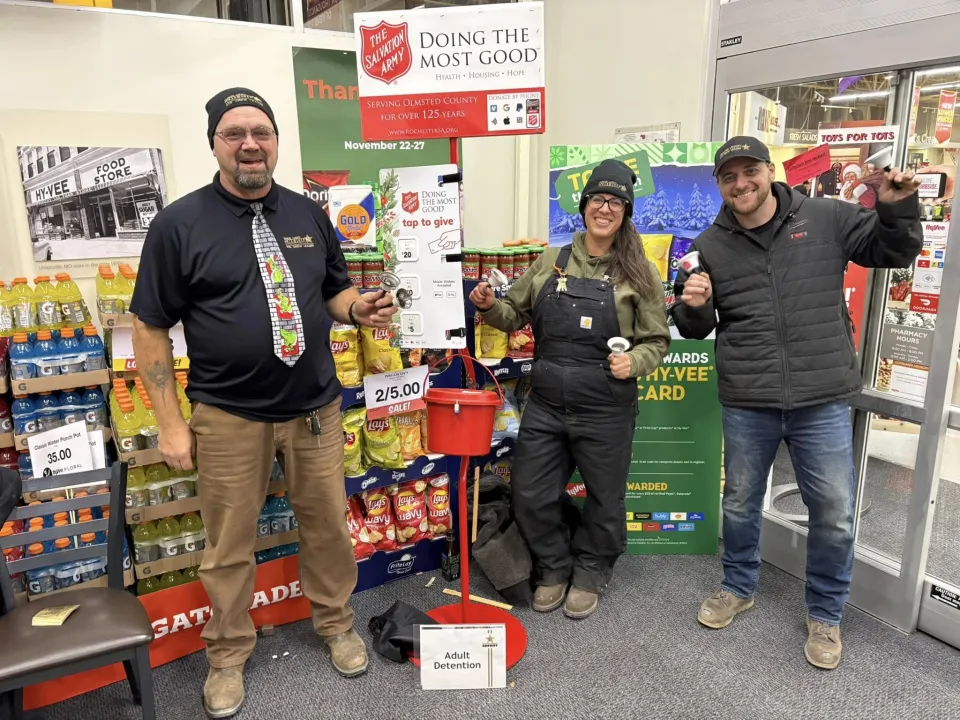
x=159, y=374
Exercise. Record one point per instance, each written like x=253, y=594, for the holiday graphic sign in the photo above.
x=456, y=72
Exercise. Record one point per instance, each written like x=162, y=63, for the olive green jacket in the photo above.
x=643, y=321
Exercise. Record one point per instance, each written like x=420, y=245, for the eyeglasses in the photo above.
x=596, y=202
x=236, y=135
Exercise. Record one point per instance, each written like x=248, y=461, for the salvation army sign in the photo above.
x=456, y=72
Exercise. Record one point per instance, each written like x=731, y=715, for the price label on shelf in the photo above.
x=395, y=393
x=61, y=450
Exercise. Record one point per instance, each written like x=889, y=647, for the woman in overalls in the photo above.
x=581, y=412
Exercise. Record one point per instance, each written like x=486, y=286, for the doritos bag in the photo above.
x=359, y=535
x=378, y=355
x=379, y=522
x=381, y=444
x=345, y=348
x=354, y=420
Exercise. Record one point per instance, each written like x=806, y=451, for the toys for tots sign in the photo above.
x=456, y=72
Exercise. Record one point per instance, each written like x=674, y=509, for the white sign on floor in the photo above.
x=463, y=657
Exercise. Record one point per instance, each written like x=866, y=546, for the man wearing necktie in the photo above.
x=254, y=272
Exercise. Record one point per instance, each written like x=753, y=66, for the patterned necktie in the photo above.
x=288, y=342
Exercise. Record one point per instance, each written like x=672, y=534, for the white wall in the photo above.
x=616, y=63
x=80, y=77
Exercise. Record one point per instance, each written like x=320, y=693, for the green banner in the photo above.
x=569, y=185
x=673, y=488
x=332, y=151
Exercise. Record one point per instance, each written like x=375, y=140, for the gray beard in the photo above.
x=251, y=181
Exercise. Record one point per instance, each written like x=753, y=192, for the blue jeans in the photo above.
x=820, y=441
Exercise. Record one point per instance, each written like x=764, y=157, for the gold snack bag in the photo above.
x=353, y=421
x=408, y=425
x=381, y=444
x=378, y=355
x=345, y=348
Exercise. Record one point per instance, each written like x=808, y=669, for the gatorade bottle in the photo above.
x=146, y=548
x=108, y=297
x=9, y=459
x=191, y=574
x=24, y=416
x=92, y=346
x=71, y=407
x=6, y=419
x=22, y=365
x=46, y=354
x=25, y=466
x=171, y=579
x=43, y=580
x=71, y=358
x=129, y=276
x=124, y=291
x=128, y=426
x=282, y=515
x=263, y=522
x=6, y=311
x=48, y=306
x=158, y=485
x=149, y=428
x=24, y=306
x=95, y=409
x=194, y=536
x=73, y=309
x=148, y=585
x=169, y=534
x=48, y=412
x=136, y=488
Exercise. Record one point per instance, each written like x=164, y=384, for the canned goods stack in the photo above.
x=511, y=261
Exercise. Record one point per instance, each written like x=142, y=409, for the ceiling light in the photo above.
x=937, y=88
x=858, y=96
x=940, y=71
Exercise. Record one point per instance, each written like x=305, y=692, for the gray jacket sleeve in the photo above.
x=890, y=237
x=693, y=323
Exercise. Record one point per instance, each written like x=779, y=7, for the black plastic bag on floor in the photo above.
x=395, y=633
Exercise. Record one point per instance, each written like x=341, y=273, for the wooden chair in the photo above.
x=109, y=626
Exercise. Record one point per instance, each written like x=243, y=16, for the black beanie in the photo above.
x=229, y=99
x=613, y=178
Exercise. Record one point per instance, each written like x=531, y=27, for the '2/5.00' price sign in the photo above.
x=397, y=392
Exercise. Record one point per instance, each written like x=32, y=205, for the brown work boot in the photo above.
x=719, y=610
x=580, y=603
x=823, y=646
x=223, y=691
x=548, y=598
x=347, y=653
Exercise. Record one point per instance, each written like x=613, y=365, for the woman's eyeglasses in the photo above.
x=596, y=202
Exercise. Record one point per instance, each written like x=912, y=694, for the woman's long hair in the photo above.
x=629, y=263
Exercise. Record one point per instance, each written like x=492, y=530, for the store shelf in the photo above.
x=271, y=541
x=128, y=580
x=383, y=567
x=112, y=320
x=449, y=377
x=499, y=450
x=60, y=382
x=506, y=369
x=139, y=458
x=423, y=466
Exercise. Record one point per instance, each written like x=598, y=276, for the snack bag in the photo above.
x=345, y=348
x=501, y=467
x=379, y=522
x=438, y=505
x=359, y=535
x=381, y=444
x=520, y=344
x=378, y=355
x=423, y=432
x=410, y=507
x=408, y=426
x=411, y=357
x=354, y=420
x=490, y=342
x=507, y=421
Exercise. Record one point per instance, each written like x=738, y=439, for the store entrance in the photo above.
x=907, y=521
x=100, y=216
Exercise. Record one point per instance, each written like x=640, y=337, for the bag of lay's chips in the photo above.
x=359, y=535
x=520, y=343
x=438, y=505
x=378, y=355
x=507, y=421
x=423, y=433
x=408, y=425
x=501, y=467
x=381, y=528
x=381, y=444
x=345, y=348
x=410, y=511
x=490, y=342
x=353, y=420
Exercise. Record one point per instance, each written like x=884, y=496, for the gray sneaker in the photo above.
x=823, y=646
x=548, y=598
x=721, y=608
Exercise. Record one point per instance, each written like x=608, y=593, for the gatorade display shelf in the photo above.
x=60, y=382
x=503, y=369
x=150, y=513
x=186, y=560
x=383, y=567
x=377, y=477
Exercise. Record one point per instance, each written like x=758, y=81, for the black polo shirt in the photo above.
x=198, y=267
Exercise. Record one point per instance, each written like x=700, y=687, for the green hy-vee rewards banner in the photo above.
x=328, y=113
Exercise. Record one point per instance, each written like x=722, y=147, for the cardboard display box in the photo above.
x=182, y=562
x=7, y=440
x=60, y=382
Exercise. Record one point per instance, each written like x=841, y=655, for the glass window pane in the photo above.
x=943, y=562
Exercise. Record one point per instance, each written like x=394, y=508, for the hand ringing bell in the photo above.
x=390, y=283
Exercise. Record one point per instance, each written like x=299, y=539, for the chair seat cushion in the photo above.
x=106, y=621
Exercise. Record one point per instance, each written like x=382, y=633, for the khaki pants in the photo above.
x=234, y=461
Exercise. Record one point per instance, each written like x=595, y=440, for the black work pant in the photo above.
x=555, y=439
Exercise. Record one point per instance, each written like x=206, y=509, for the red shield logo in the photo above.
x=411, y=201
x=386, y=51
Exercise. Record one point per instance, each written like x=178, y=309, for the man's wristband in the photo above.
x=353, y=318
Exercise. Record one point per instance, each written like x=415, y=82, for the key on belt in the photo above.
x=313, y=422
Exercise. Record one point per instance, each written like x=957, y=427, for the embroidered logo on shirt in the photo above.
x=295, y=243
x=586, y=322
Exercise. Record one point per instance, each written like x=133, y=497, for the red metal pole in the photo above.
x=454, y=151
x=464, y=542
